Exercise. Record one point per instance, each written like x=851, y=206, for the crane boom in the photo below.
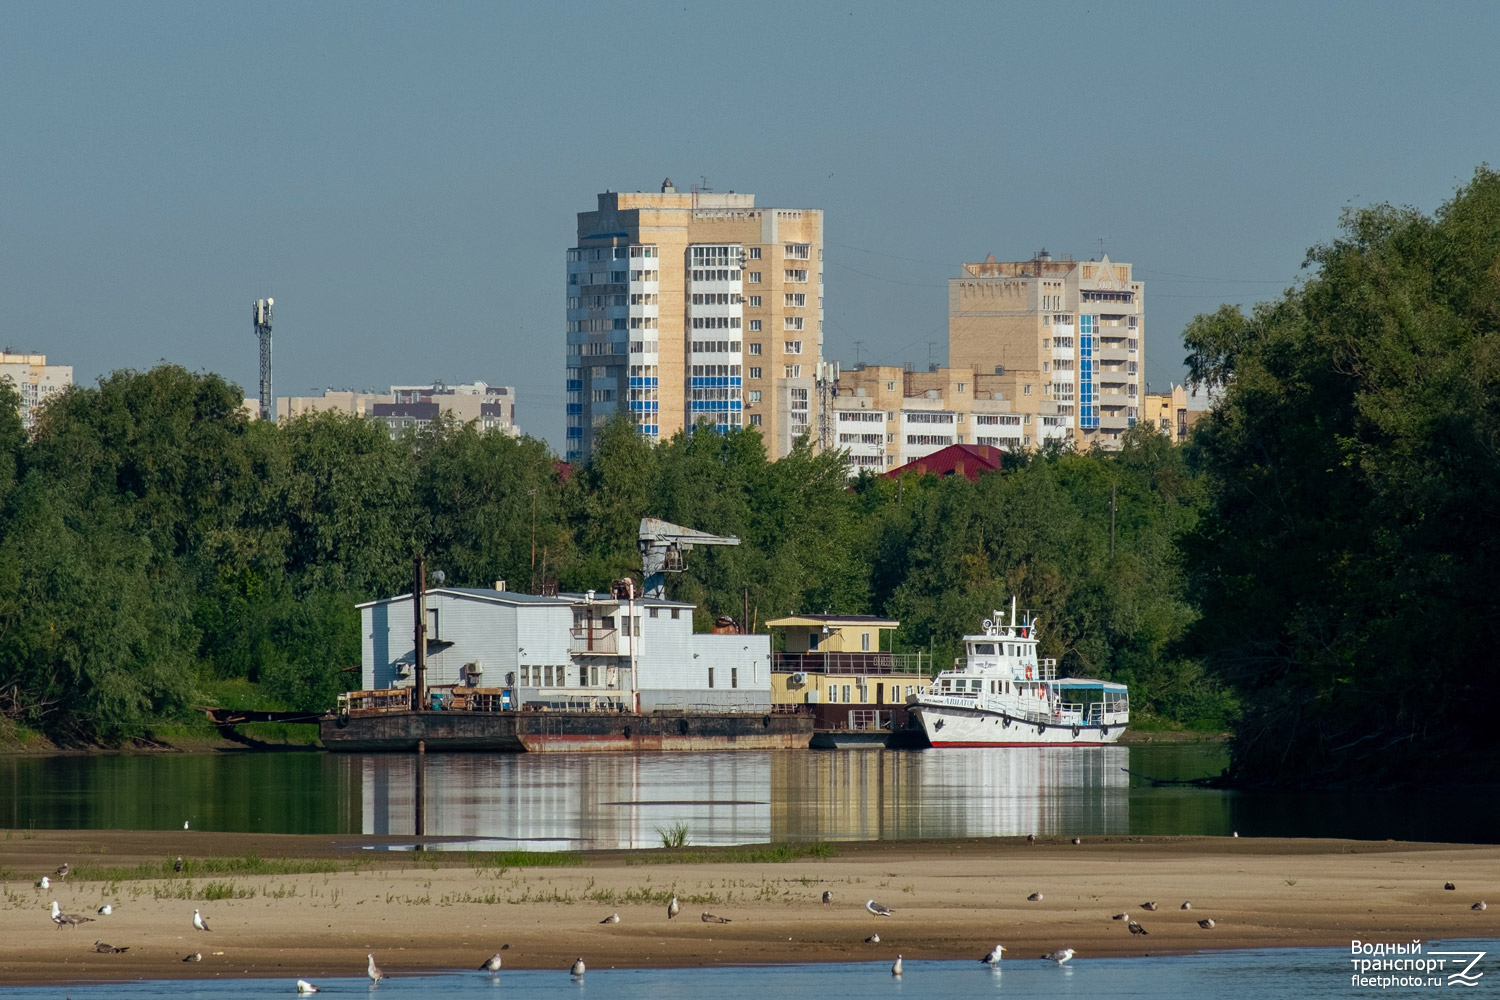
x=662, y=545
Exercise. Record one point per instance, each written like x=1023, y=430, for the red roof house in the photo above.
x=968, y=460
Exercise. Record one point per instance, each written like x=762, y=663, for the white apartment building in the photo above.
x=35, y=380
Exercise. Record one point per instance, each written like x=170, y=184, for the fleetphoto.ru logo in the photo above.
x=1383, y=966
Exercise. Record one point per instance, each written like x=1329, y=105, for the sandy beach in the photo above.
x=951, y=899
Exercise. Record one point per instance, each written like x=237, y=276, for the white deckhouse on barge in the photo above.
x=1005, y=696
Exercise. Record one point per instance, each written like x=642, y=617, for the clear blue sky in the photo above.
x=404, y=179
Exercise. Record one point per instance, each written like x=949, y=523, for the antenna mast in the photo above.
x=263, y=332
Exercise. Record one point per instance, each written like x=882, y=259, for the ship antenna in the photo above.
x=1013, y=614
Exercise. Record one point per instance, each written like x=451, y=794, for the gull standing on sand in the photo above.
x=184, y=824
x=673, y=909
x=45, y=883
x=1207, y=923
x=62, y=919
x=1187, y=905
x=827, y=897
x=896, y=967
x=62, y=871
x=196, y=956
x=1035, y=897
x=613, y=918
x=1449, y=885
x=1149, y=905
x=1119, y=916
x=873, y=939
x=304, y=987
x=1136, y=928
x=1060, y=956
x=993, y=958
x=491, y=964
x=198, y=921
x=877, y=909
x=106, y=910
x=373, y=971
x=578, y=969
x=177, y=865
x=109, y=949
x=1481, y=905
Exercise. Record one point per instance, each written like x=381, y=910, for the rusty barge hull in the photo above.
x=563, y=732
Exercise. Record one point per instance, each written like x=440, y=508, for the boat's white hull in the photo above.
x=948, y=726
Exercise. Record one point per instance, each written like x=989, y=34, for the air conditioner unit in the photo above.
x=477, y=667
x=797, y=678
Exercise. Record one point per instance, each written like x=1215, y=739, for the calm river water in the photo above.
x=1285, y=974
x=557, y=801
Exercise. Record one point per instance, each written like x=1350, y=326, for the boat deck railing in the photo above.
x=851, y=663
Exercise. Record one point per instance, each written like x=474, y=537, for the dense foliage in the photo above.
x=156, y=542
x=1346, y=568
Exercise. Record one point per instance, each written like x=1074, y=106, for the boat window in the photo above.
x=984, y=649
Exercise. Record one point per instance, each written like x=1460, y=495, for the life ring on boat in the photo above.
x=1075, y=732
x=1028, y=673
x=1005, y=721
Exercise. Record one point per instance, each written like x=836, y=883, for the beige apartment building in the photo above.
x=489, y=407
x=887, y=416
x=685, y=308
x=35, y=380
x=1071, y=333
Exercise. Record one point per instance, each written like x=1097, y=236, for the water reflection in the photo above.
x=625, y=801
x=555, y=801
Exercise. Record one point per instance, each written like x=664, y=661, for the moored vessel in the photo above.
x=1006, y=695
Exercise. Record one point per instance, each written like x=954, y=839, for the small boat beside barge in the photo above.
x=1006, y=696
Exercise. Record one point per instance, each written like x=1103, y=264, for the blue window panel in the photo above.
x=1130, y=421
x=575, y=385
x=734, y=406
x=575, y=408
x=575, y=432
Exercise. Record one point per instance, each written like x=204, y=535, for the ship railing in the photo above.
x=595, y=640
x=1046, y=669
x=374, y=702
x=851, y=663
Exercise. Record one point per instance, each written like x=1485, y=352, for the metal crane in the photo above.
x=662, y=545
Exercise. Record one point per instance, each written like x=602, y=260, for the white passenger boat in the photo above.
x=1006, y=696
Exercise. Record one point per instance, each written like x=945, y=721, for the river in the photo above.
x=581, y=801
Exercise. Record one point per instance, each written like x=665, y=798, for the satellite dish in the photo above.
x=989, y=626
x=438, y=577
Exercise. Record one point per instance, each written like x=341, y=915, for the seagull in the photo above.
x=1035, y=897
x=1136, y=928
x=108, y=949
x=106, y=910
x=709, y=918
x=673, y=909
x=62, y=919
x=1119, y=916
x=1031, y=839
x=613, y=918
x=993, y=958
x=1481, y=905
x=184, y=824
x=1187, y=905
x=196, y=956
x=304, y=987
x=1207, y=923
x=177, y=865
x=873, y=939
x=373, y=970
x=1449, y=885
x=491, y=964
x=1149, y=906
x=1076, y=840
x=45, y=883
x=1236, y=835
x=578, y=969
x=827, y=897
x=1060, y=956
x=877, y=909
x=62, y=870
x=198, y=921
x=896, y=967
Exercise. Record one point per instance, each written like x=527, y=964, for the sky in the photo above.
x=404, y=179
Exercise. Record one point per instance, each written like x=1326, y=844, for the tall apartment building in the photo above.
x=35, y=380
x=685, y=307
x=884, y=416
x=1074, y=331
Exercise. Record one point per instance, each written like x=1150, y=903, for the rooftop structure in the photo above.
x=35, y=380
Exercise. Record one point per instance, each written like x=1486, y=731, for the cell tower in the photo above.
x=263, y=331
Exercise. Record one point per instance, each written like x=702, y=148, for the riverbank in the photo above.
x=288, y=906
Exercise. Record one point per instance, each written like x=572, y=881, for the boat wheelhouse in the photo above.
x=1007, y=695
